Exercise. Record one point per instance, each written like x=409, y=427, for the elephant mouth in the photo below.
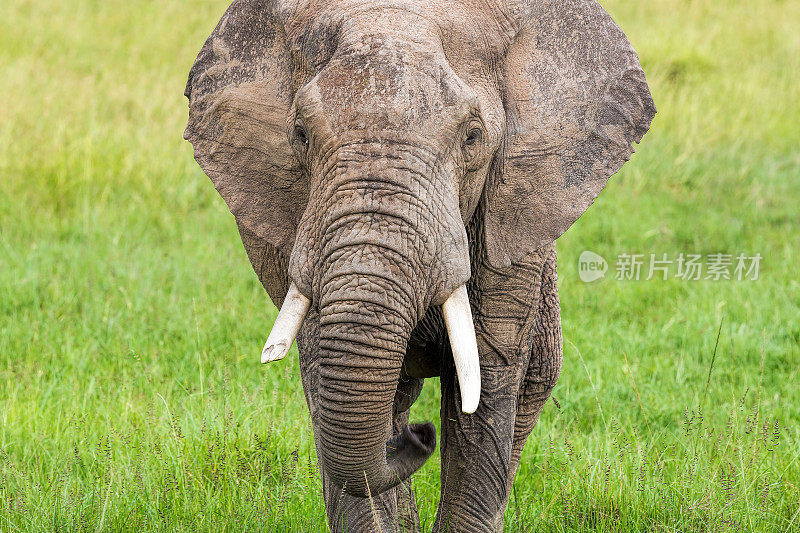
x=460, y=328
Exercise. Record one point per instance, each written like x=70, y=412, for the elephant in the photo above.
x=399, y=171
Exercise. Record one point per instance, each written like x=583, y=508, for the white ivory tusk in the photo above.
x=461, y=329
x=288, y=323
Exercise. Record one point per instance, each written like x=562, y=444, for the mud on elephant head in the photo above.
x=357, y=139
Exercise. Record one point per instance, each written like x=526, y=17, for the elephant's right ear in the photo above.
x=240, y=93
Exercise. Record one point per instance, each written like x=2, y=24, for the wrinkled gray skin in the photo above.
x=379, y=154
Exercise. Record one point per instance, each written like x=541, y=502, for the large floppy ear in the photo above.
x=240, y=93
x=576, y=98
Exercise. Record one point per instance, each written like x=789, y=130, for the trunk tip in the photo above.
x=412, y=446
x=422, y=436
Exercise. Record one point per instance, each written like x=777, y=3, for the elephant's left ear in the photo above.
x=576, y=98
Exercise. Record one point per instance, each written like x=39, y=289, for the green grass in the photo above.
x=131, y=397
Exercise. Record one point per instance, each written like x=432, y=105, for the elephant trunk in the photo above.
x=364, y=326
x=382, y=247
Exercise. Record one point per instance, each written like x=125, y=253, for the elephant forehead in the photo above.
x=475, y=29
x=376, y=85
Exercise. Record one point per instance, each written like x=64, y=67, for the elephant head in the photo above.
x=359, y=138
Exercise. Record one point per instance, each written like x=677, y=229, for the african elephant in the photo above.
x=399, y=171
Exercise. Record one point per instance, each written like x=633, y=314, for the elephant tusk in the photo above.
x=288, y=323
x=460, y=328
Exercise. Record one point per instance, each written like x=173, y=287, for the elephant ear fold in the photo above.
x=240, y=93
x=576, y=98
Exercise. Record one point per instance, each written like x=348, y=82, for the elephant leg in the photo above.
x=395, y=509
x=515, y=326
x=543, y=370
x=476, y=451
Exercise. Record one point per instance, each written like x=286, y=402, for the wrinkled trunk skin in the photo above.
x=363, y=332
x=375, y=267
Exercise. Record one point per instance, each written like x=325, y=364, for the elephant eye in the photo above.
x=474, y=136
x=300, y=136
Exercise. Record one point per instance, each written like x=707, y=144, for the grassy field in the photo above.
x=131, y=397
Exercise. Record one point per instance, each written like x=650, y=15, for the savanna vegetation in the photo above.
x=131, y=396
